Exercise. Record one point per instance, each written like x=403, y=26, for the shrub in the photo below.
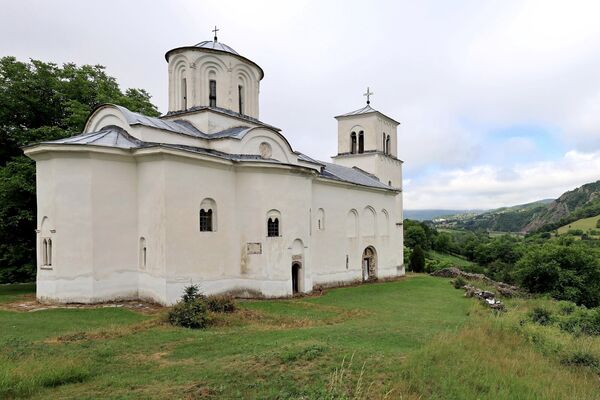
x=189, y=314
x=598, y=224
x=582, y=358
x=567, y=307
x=459, y=282
x=221, y=304
x=541, y=315
x=191, y=310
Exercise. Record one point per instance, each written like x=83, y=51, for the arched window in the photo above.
x=383, y=144
x=361, y=142
x=208, y=215
x=273, y=227
x=184, y=93
x=273, y=223
x=45, y=251
x=387, y=145
x=212, y=95
x=241, y=98
x=206, y=220
x=49, y=256
x=143, y=253
x=353, y=143
x=321, y=219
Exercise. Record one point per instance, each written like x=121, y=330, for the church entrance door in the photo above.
x=295, y=278
x=369, y=264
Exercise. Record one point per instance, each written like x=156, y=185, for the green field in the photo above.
x=584, y=224
x=417, y=338
x=458, y=262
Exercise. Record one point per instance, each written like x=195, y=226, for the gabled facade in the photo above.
x=140, y=207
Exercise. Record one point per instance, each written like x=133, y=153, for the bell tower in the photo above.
x=367, y=139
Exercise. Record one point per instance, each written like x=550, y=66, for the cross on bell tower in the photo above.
x=368, y=95
x=215, y=32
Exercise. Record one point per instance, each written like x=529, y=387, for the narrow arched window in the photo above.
x=353, y=143
x=383, y=144
x=212, y=95
x=49, y=256
x=273, y=227
x=361, y=142
x=44, y=251
x=184, y=93
x=387, y=145
x=143, y=253
x=241, y=98
x=206, y=220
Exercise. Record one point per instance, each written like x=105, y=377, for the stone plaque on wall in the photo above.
x=254, y=248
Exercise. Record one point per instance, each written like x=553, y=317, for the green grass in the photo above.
x=14, y=292
x=584, y=224
x=412, y=339
x=456, y=261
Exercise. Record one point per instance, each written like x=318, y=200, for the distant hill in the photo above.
x=575, y=204
x=427, y=215
x=505, y=219
x=542, y=215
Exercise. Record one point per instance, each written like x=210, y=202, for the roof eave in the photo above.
x=168, y=53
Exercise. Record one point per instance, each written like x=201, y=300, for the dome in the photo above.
x=214, y=45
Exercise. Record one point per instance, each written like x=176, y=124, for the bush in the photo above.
x=189, y=314
x=459, y=282
x=221, y=304
x=191, y=310
x=584, y=321
x=567, y=307
x=582, y=358
x=541, y=315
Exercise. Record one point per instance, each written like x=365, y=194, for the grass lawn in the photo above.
x=454, y=260
x=9, y=293
x=415, y=338
x=584, y=224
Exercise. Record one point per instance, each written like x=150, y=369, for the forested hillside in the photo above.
x=544, y=215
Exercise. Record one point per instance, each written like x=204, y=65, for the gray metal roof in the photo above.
x=176, y=126
x=116, y=137
x=212, y=44
x=223, y=111
x=352, y=175
x=365, y=110
x=109, y=136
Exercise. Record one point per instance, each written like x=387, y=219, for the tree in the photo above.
x=416, y=262
x=41, y=101
x=566, y=272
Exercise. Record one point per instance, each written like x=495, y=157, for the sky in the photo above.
x=499, y=101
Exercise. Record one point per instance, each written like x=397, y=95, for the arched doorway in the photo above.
x=369, y=264
x=296, y=277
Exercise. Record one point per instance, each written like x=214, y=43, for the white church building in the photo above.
x=138, y=207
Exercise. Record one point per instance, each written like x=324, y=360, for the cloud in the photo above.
x=487, y=186
x=452, y=73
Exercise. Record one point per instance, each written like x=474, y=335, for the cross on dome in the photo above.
x=368, y=95
x=215, y=32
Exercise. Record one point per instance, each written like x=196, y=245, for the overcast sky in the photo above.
x=499, y=101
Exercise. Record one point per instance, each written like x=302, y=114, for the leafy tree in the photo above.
x=41, y=101
x=569, y=272
x=416, y=262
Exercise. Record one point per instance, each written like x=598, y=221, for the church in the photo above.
x=138, y=207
